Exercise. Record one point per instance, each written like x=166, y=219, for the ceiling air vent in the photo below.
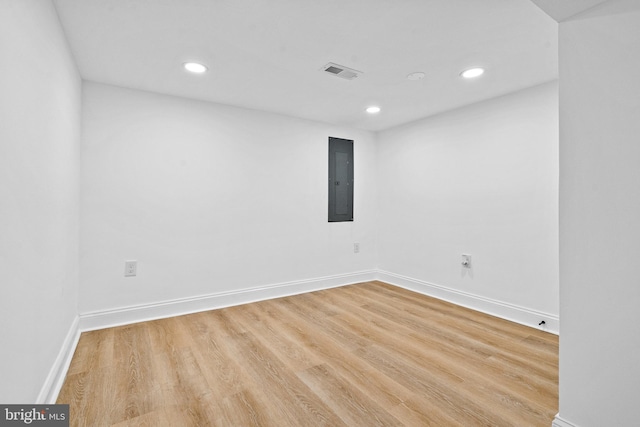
x=341, y=71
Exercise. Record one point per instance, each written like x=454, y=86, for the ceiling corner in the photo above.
x=564, y=9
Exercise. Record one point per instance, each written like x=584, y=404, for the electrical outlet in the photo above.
x=466, y=261
x=130, y=268
x=356, y=248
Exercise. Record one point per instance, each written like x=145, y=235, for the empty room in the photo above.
x=305, y=213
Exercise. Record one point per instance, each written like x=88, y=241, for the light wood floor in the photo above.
x=362, y=355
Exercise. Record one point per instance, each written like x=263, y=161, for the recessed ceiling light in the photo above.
x=416, y=76
x=194, y=67
x=373, y=109
x=472, y=72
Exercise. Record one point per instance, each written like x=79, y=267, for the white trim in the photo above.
x=512, y=312
x=561, y=422
x=52, y=385
x=144, y=312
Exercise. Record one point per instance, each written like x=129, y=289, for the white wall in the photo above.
x=481, y=180
x=210, y=198
x=599, y=216
x=39, y=168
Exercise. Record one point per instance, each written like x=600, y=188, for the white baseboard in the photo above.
x=512, y=312
x=140, y=313
x=560, y=422
x=52, y=385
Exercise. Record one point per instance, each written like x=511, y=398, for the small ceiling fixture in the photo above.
x=373, y=109
x=416, y=76
x=472, y=72
x=194, y=67
x=341, y=71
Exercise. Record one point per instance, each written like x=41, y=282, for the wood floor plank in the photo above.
x=168, y=416
x=446, y=397
x=421, y=412
x=295, y=356
x=325, y=348
x=215, y=359
x=369, y=354
x=94, y=352
x=294, y=398
x=350, y=403
x=243, y=409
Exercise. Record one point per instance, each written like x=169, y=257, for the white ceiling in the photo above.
x=268, y=54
